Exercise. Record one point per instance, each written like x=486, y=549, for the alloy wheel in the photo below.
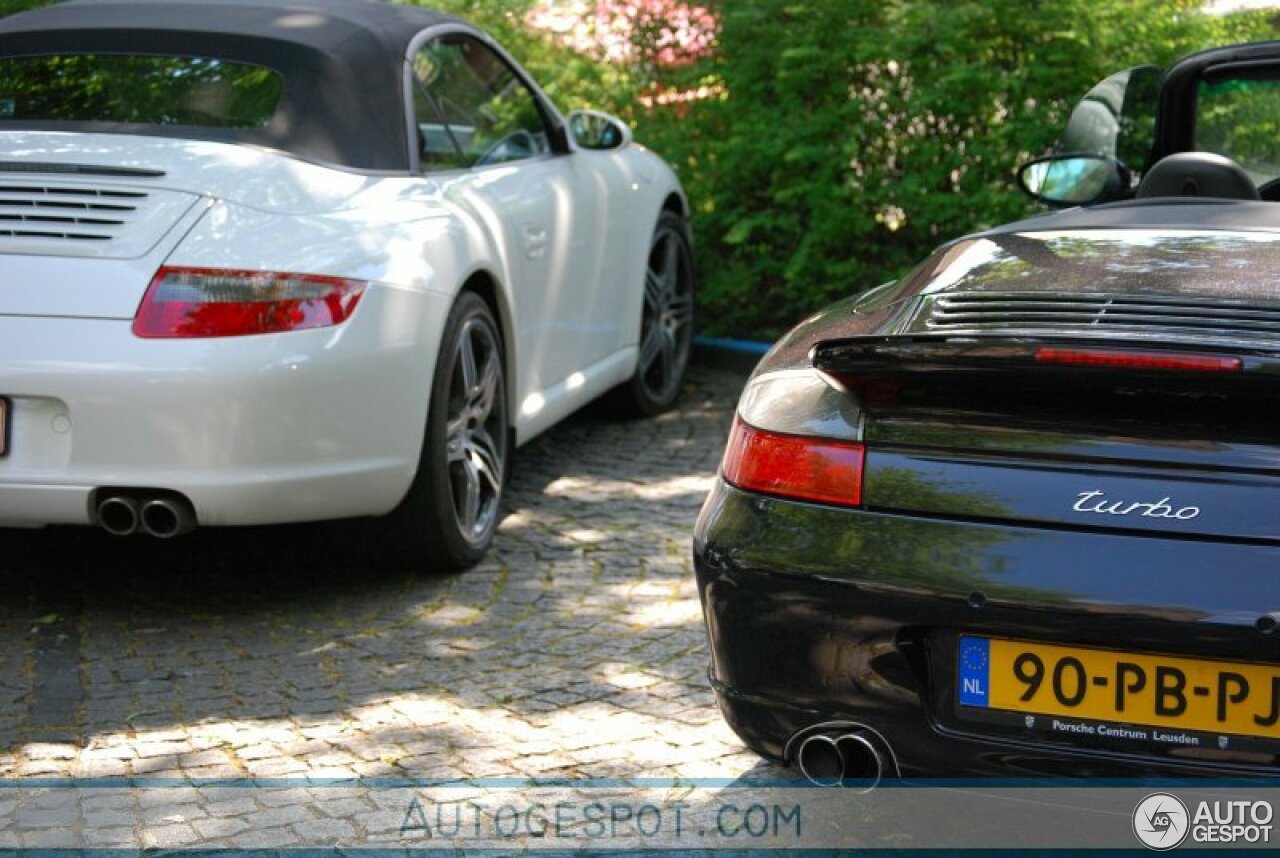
x=475, y=445
x=666, y=333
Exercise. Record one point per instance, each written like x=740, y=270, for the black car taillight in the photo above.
x=794, y=466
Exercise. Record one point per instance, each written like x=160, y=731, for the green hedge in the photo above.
x=850, y=137
x=8, y=7
x=855, y=136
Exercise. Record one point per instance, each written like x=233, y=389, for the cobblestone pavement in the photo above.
x=576, y=650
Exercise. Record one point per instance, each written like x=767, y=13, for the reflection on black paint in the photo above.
x=1134, y=262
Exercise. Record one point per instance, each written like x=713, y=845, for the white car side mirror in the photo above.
x=596, y=131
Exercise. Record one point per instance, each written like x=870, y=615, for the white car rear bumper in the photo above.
x=269, y=429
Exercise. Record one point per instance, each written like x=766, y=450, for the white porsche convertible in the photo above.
x=267, y=262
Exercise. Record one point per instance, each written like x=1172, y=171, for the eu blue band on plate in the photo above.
x=975, y=671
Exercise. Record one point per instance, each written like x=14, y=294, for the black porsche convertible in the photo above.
x=1018, y=513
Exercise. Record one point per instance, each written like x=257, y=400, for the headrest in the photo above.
x=1197, y=174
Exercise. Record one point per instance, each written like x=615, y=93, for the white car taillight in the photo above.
x=212, y=302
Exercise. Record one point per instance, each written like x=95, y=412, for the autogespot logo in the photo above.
x=1160, y=821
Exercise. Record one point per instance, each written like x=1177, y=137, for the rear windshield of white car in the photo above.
x=138, y=90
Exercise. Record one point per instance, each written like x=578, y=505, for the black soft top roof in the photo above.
x=343, y=100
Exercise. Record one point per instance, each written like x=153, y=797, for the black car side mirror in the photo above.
x=1074, y=180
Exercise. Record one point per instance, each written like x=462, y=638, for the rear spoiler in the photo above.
x=907, y=354
x=981, y=370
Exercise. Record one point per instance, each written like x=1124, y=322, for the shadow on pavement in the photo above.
x=575, y=649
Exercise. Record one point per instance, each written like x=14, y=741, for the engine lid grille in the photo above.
x=1102, y=316
x=84, y=219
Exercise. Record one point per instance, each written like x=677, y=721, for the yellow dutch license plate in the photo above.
x=1105, y=685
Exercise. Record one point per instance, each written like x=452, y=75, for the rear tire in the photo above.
x=666, y=322
x=448, y=519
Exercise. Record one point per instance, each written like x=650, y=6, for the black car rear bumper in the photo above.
x=820, y=614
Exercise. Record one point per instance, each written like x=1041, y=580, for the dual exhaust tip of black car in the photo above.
x=844, y=756
x=162, y=515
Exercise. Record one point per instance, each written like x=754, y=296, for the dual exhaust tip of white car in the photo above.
x=843, y=756
x=164, y=516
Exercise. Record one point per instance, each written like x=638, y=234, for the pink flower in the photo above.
x=658, y=32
